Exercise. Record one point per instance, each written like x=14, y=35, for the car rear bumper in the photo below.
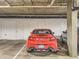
x=37, y=49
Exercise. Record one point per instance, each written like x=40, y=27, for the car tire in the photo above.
x=29, y=50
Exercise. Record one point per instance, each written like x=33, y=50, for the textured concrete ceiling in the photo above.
x=30, y=2
x=24, y=7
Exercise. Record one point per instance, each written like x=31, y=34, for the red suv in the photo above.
x=42, y=40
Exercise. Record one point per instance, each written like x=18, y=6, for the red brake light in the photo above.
x=31, y=38
x=51, y=39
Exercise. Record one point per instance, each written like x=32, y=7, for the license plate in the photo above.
x=40, y=46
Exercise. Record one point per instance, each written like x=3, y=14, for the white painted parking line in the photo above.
x=19, y=52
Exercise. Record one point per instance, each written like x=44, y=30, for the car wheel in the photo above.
x=29, y=50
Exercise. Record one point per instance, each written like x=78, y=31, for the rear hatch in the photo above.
x=41, y=38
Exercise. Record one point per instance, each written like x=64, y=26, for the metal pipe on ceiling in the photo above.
x=33, y=16
x=7, y=2
x=52, y=2
x=33, y=6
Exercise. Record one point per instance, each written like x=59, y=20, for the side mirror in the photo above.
x=64, y=32
x=53, y=33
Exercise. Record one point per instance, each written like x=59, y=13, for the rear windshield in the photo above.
x=42, y=32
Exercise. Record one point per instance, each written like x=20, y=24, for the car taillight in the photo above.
x=51, y=39
x=33, y=38
x=30, y=38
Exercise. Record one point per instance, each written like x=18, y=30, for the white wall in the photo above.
x=20, y=28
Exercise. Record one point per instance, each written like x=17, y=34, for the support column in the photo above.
x=72, y=28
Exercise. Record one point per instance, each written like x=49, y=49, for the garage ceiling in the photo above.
x=31, y=2
x=32, y=7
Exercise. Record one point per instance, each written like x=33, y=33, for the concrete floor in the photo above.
x=10, y=49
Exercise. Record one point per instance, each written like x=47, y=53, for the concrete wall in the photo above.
x=20, y=28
